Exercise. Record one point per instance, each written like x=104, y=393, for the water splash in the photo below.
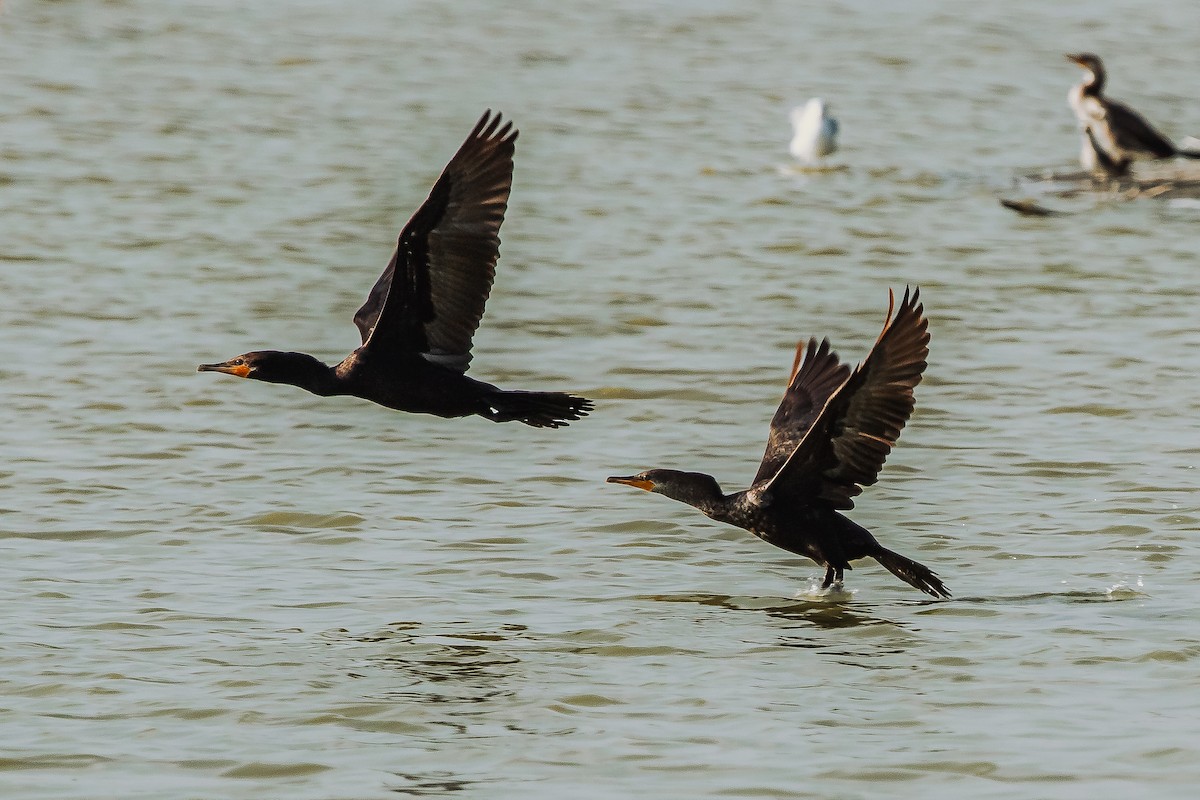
x=836, y=593
x=1125, y=591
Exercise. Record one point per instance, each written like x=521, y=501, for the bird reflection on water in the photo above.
x=827, y=616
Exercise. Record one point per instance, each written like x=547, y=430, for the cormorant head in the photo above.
x=271, y=366
x=1092, y=63
x=693, y=488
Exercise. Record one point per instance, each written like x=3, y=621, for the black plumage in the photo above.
x=829, y=438
x=420, y=316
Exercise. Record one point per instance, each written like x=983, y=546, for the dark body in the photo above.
x=829, y=438
x=1114, y=135
x=812, y=530
x=420, y=317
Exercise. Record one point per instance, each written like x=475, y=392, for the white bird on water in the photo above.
x=814, y=132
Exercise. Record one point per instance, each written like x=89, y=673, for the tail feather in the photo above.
x=916, y=575
x=1189, y=147
x=537, y=409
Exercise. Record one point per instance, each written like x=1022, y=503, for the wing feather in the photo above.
x=1132, y=132
x=816, y=374
x=446, y=255
x=849, y=440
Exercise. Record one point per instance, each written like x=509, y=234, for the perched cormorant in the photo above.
x=814, y=132
x=1113, y=134
x=420, y=316
x=829, y=438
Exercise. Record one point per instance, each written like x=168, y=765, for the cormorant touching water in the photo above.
x=1114, y=135
x=420, y=316
x=829, y=438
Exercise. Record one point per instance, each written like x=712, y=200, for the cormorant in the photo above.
x=420, y=316
x=1113, y=134
x=814, y=132
x=829, y=438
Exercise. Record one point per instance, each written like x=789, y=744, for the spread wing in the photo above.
x=849, y=440
x=816, y=374
x=431, y=297
x=1134, y=133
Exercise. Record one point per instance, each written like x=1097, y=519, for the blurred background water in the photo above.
x=215, y=588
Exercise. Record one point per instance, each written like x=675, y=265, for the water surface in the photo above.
x=216, y=588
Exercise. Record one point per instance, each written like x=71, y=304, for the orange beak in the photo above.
x=240, y=370
x=634, y=481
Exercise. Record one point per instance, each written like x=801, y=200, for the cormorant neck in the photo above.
x=1094, y=84
x=298, y=369
x=696, y=489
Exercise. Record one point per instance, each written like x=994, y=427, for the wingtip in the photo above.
x=482, y=122
x=913, y=307
x=806, y=352
x=489, y=128
x=915, y=301
x=803, y=353
x=910, y=302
